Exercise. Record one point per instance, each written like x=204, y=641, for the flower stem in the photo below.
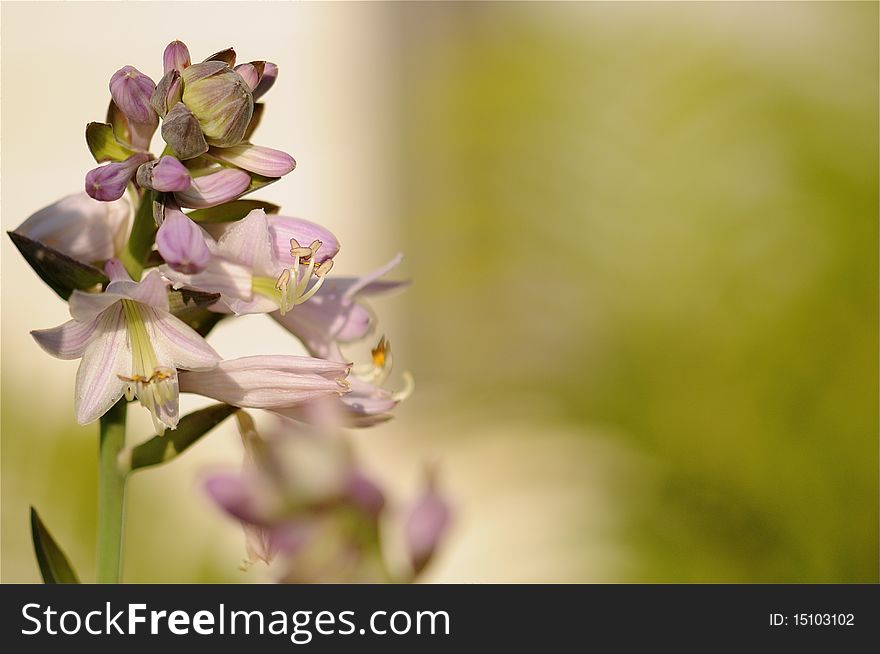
x=143, y=233
x=111, y=494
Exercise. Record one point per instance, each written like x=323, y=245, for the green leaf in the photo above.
x=119, y=123
x=191, y=428
x=54, y=566
x=104, y=145
x=231, y=211
x=62, y=273
x=258, y=182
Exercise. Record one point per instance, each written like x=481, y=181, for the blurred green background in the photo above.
x=644, y=324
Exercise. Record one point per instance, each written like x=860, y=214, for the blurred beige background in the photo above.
x=643, y=238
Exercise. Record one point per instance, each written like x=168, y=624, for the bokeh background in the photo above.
x=644, y=323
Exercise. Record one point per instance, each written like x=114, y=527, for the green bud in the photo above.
x=221, y=101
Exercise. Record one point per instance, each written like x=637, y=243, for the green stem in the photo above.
x=143, y=233
x=111, y=494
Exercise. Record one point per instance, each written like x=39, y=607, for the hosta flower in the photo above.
x=81, y=227
x=335, y=316
x=129, y=344
x=302, y=498
x=257, y=269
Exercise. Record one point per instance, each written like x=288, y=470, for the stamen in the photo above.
x=409, y=385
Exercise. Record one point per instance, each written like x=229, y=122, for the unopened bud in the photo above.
x=176, y=57
x=167, y=93
x=182, y=243
x=221, y=101
x=216, y=188
x=267, y=79
x=257, y=159
x=131, y=91
x=182, y=132
x=425, y=527
x=167, y=174
x=107, y=183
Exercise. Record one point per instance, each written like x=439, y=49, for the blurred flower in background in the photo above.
x=644, y=324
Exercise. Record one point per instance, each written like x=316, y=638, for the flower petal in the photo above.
x=86, y=306
x=67, y=341
x=81, y=227
x=98, y=385
x=248, y=242
x=151, y=291
x=229, y=278
x=178, y=343
x=284, y=228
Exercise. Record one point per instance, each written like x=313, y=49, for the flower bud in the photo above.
x=181, y=131
x=251, y=73
x=425, y=527
x=227, y=56
x=107, y=183
x=257, y=159
x=221, y=101
x=216, y=188
x=131, y=91
x=167, y=93
x=182, y=243
x=176, y=57
x=364, y=494
x=267, y=79
x=166, y=174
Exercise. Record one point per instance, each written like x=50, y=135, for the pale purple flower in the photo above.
x=335, y=316
x=108, y=182
x=252, y=276
x=256, y=159
x=182, y=243
x=129, y=344
x=214, y=188
x=165, y=174
x=80, y=227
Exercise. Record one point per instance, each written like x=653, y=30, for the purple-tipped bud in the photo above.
x=107, y=183
x=131, y=91
x=221, y=101
x=364, y=494
x=176, y=57
x=167, y=174
x=249, y=74
x=257, y=159
x=167, y=94
x=425, y=527
x=182, y=132
x=267, y=79
x=214, y=189
x=182, y=243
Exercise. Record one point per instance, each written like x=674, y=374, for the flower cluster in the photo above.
x=301, y=498
x=160, y=248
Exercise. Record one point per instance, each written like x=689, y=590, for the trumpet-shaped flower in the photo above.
x=129, y=344
x=250, y=274
x=335, y=316
x=81, y=227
